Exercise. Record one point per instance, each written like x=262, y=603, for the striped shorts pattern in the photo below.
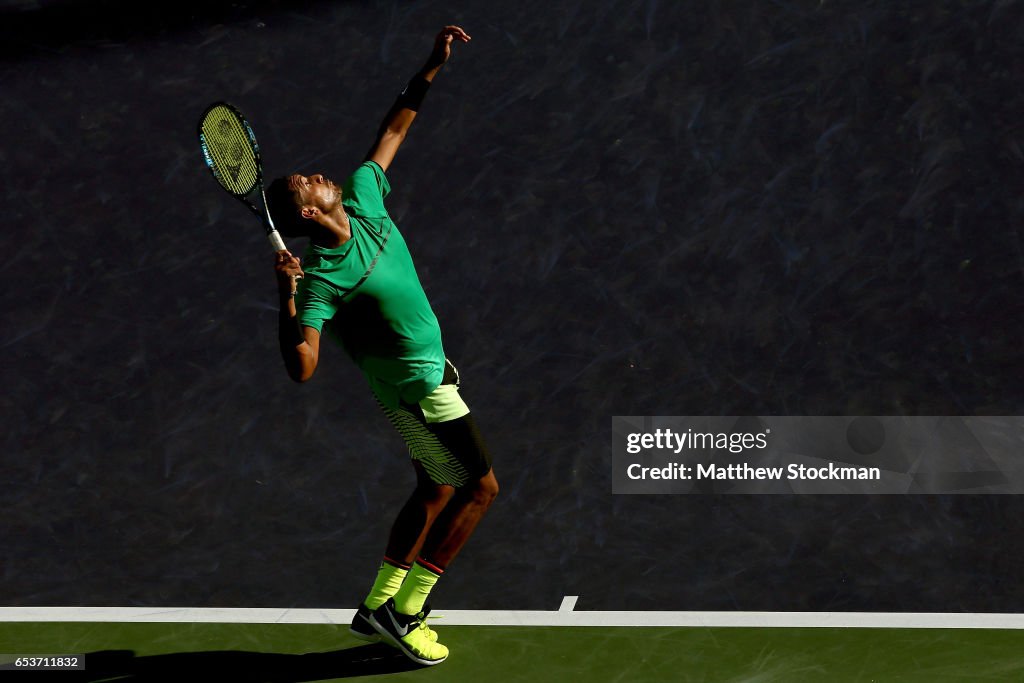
x=442, y=435
x=426, y=448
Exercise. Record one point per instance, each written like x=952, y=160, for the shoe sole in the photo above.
x=368, y=637
x=395, y=642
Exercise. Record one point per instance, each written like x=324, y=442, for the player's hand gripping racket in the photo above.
x=233, y=156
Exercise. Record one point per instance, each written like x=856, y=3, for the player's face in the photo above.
x=315, y=190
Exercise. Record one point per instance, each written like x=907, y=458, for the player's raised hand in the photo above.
x=443, y=45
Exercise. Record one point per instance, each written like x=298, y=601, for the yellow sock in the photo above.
x=389, y=580
x=412, y=596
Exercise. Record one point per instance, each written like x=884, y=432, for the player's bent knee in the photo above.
x=486, y=490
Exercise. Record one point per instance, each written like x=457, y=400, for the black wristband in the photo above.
x=412, y=96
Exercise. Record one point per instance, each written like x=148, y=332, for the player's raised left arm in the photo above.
x=401, y=115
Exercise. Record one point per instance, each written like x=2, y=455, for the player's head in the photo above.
x=296, y=201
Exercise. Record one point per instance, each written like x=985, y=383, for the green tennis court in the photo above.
x=303, y=652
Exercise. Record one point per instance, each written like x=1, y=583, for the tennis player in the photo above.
x=359, y=284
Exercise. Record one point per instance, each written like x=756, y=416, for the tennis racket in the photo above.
x=233, y=157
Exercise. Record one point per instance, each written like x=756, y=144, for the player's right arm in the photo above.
x=300, y=345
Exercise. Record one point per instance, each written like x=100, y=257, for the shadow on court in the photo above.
x=362, y=660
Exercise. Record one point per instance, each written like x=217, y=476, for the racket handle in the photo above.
x=275, y=240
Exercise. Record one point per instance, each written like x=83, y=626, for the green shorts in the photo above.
x=442, y=435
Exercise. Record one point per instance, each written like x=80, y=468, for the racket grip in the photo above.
x=275, y=240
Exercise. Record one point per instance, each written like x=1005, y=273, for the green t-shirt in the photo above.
x=385, y=323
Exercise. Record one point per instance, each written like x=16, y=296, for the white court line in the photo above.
x=954, y=620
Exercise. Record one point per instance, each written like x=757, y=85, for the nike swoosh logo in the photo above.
x=399, y=629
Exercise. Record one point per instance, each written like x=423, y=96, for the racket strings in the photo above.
x=229, y=151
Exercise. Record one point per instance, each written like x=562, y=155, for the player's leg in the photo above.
x=402, y=619
x=415, y=518
x=457, y=522
x=408, y=631
x=446, y=445
x=437, y=477
x=407, y=536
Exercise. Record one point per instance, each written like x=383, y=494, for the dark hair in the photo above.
x=283, y=209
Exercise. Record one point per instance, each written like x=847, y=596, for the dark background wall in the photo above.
x=617, y=208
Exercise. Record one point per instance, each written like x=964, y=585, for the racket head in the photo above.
x=230, y=149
